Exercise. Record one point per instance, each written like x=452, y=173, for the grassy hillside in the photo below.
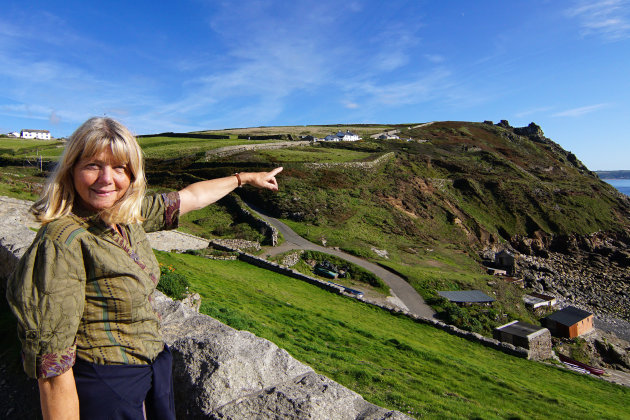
x=392, y=361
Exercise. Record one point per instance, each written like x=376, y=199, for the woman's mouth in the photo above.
x=102, y=193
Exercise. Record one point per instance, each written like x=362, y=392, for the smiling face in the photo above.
x=100, y=180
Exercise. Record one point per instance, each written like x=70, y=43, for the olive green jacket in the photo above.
x=82, y=290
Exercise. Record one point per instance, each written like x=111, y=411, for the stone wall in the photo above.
x=232, y=150
x=352, y=165
x=267, y=229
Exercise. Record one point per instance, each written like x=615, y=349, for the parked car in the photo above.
x=324, y=272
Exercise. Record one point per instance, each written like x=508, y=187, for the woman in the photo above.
x=81, y=292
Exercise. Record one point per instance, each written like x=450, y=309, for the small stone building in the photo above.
x=569, y=322
x=537, y=340
x=504, y=260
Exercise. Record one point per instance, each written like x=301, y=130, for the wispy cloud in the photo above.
x=578, y=112
x=533, y=111
x=606, y=18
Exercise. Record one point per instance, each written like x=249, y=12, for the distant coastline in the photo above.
x=610, y=175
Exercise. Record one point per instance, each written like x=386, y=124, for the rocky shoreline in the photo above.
x=591, y=272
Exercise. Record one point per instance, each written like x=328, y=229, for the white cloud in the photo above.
x=532, y=111
x=578, y=112
x=606, y=18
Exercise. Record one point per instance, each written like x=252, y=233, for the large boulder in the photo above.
x=224, y=373
x=16, y=234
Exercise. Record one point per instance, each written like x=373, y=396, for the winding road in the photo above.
x=400, y=288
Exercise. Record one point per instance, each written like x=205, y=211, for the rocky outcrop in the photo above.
x=590, y=270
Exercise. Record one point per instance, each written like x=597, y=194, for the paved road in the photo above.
x=400, y=288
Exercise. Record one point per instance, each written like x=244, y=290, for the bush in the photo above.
x=479, y=319
x=172, y=284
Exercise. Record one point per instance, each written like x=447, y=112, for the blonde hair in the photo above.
x=93, y=137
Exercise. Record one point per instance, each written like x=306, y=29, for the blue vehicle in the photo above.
x=324, y=272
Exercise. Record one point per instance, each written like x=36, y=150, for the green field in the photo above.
x=170, y=147
x=391, y=360
x=363, y=130
x=314, y=154
x=29, y=148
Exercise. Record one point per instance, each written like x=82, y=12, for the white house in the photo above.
x=348, y=136
x=35, y=134
x=388, y=136
x=341, y=136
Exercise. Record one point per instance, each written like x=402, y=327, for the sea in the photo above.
x=623, y=185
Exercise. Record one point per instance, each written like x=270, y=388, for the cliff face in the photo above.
x=219, y=372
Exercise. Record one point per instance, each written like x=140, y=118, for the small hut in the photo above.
x=467, y=297
x=504, y=260
x=537, y=340
x=569, y=322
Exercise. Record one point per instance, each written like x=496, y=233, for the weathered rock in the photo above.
x=613, y=354
x=15, y=235
x=311, y=396
x=224, y=373
x=173, y=240
x=532, y=131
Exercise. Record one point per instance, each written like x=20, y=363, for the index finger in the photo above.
x=276, y=171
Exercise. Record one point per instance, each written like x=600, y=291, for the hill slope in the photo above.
x=453, y=190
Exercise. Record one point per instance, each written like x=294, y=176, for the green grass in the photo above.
x=391, y=360
x=20, y=148
x=171, y=147
x=216, y=221
x=315, y=154
x=20, y=182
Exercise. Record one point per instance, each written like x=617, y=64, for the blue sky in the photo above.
x=203, y=64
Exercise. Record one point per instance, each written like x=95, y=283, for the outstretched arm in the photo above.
x=201, y=194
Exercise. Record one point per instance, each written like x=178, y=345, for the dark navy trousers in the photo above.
x=117, y=392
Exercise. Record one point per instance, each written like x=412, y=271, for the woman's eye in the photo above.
x=120, y=169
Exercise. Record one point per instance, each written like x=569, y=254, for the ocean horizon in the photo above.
x=622, y=185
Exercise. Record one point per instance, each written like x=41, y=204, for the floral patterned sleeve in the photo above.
x=54, y=364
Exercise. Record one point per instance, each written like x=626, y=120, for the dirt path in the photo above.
x=400, y=288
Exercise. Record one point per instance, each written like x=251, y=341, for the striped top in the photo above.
x=82, y=290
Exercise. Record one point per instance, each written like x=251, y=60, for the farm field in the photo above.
x=30, y=148
x=169, y=147
x=302, y=130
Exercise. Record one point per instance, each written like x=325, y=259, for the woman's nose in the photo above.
x=105, y=174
